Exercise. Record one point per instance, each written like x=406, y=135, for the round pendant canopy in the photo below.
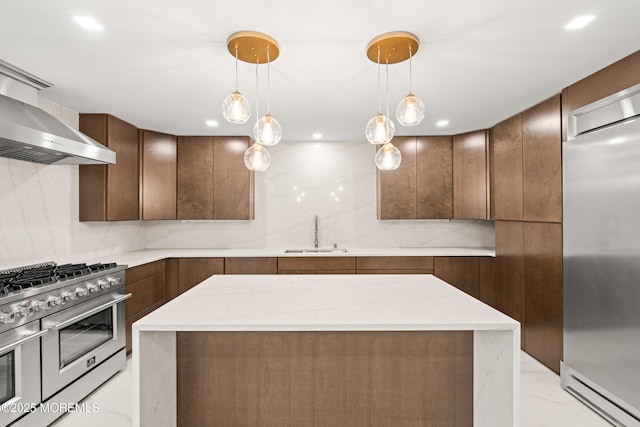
x=395, y=47
x=253, y=46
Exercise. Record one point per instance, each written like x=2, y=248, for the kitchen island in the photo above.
x=326, y=351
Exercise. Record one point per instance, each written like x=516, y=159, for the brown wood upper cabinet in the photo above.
x=527, y=165
x=158, y=164
x=507, y=169
x=470, y=176
x=110, y=192
x=542, y=162
x=213, y=182
x=421, y=188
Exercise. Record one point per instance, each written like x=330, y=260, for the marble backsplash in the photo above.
x=334, y=180
x=337, y=182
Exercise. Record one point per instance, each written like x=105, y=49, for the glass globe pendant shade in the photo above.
x=236, y=108
x=257, y=158
x=388, y=157
x=380, y=129
x=267, y=130
x=410, y=110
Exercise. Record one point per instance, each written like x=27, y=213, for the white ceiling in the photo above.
x=164, y=65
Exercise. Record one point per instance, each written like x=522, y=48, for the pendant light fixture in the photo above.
x=380, y=129
x=410, y=110
x=257, y=48
x=267, y=129
x=391, y=48
x=235, y=107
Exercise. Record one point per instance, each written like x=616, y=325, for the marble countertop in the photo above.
x=324, y=302
x=136, y=258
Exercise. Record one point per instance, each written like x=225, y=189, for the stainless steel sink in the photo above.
x=316, y=251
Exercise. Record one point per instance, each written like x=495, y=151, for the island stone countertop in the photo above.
x=328, y=303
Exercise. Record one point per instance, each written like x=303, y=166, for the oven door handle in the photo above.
x=21, y=341
x=87, y=313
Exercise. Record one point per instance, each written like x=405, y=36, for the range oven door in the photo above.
x=19, y=371
x=81, y=338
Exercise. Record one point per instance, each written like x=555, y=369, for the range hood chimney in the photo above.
x=31, y=134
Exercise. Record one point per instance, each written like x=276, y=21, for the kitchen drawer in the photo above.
x=395, y=263
x=135, y=274
x=395, y=271
x=145, y=293
x=257, y=265
x=316, y=263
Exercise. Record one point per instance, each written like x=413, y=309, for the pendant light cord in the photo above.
x=257, y=98
x=388, y=119
x=379, y=102
x=410, y=71
x=268, y=82
x=236, y=68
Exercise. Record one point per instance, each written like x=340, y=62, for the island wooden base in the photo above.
x=325, y=379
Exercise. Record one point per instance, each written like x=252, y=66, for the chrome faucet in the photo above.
x=315, y=229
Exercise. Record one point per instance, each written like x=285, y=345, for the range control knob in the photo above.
x=81, y=291
x=42, y=305
x=6, y=317
x=114, y=281
x=66, y=296
x=93, y=287
x=104, y=284
x=55, y=300
x=24, y=310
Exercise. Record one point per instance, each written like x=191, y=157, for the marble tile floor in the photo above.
x=543, y=402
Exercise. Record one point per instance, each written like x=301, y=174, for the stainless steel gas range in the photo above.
x=62, y=334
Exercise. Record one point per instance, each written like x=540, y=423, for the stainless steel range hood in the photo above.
x=31, y=134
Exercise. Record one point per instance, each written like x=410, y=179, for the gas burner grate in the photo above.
x=17, y=279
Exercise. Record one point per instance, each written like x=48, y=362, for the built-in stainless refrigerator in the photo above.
x=601, y=251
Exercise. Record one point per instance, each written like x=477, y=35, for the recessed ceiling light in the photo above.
x=212, y=123
x=88, y=23
x=579, y=22
x=317, y=135
x=442, y=123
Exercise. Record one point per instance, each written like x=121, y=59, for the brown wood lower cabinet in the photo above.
x=192, y=271
x=258, y=265
x=146, y=283
x=509, y=270
x=395, y=265
x=325, y=378
x=543, y=325
x=316, y=265
x=461, y=272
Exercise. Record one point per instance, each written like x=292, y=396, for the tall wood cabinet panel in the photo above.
x=232, y=182
x=461, y=272
x=397, y=188
x=543, y=309
x=542, y=162
x=434, y=179
x=110, y=192
x=470, y=175
x=507, y=167
x=158, y=169
x=509, y=270
x=195, y=177
x=192, y=271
